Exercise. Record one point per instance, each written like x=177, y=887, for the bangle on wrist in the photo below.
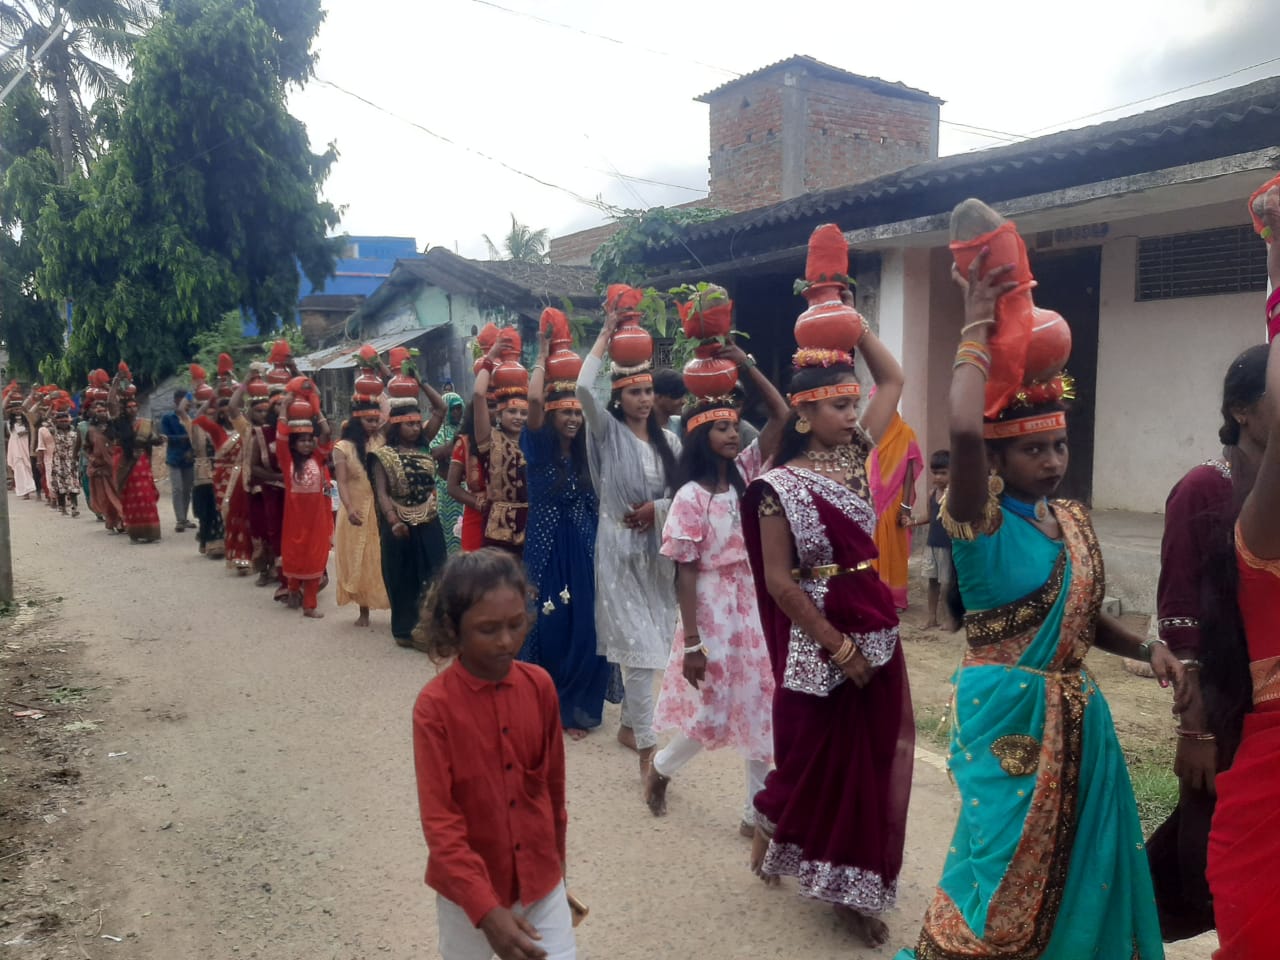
x=1148, y=645
x=844, y=654
x=1196, y=735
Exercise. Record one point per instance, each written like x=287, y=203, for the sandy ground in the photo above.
x=262, y=802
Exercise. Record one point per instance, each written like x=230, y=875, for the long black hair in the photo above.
x=1225, y=680
x=698, y=462
x=577, y=467
x=657, y=436
x=353, y=431
x=793, y=443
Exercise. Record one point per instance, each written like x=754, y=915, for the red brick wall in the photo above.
x=850, y=134
x=746, y=146
x=855, y=134
x=575, y=249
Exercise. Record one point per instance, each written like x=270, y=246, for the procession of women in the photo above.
x=746, y=596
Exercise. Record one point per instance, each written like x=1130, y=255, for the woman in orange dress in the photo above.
x=1244, y=843
x=892, y=471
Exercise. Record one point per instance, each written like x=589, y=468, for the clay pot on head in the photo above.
x=204, y=393
x=257, y=387
x=509, y=373
x=401, y=387
x=631, y=344
x=1050, y=345
x=563, y=363
x=828, y=323
x=368, y=384
x=279, y=374
x=710, y=376
x=299, y=409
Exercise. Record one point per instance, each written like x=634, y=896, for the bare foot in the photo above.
x=294, y=599
x=313, y=614
x=362, y=620
x=869, y=930
x=265, y=578
x=760, y=847
x=655, y=792
x=747, y=829
x=932, y=625
x=577, y=734
x=627, y=737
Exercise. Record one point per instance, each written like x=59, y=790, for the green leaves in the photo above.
x=621, y=258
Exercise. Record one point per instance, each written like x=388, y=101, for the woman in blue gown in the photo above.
x=559, y=550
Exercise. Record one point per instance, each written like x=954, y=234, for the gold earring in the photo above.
x=802, y=425
x=995, y=485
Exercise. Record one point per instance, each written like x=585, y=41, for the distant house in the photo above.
x=437, y=303
x=1138, y=233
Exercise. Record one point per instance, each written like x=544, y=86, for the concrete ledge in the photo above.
x=1131, y=553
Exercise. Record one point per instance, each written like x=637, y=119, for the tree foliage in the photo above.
x=521, y=243
x=621, y=258
x=78, y=68
x=206, y=196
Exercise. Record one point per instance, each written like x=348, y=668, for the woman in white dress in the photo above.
x=18, y=450
x=632, y=459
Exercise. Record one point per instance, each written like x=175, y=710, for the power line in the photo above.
x=600, y=36
x=595, y=204
x=1157, y=96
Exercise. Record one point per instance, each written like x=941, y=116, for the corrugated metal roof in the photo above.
x=341, y=357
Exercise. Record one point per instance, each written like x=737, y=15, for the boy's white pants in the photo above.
x=459, y=940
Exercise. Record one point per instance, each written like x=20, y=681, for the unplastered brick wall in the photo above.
x=746, y=146
x=855, y=134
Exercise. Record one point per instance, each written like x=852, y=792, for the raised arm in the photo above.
x=1260, y=515
x=888, y=377
x=235, y=404
x=537, y=382
x=591, y=411
x=967, y=496
x=431, y=426
x=483, y=426
x=779, y=411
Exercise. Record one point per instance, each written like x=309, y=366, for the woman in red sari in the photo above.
x=134, y=438
x=1244, y=842
x=833, y=813
x=308, y=517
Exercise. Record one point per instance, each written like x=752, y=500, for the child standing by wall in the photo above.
x=489, y=756
x=308, y=522
x=937, y=557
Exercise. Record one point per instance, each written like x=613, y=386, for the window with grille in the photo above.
x=1201, y=264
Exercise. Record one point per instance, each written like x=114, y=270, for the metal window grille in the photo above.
x=1200, y=264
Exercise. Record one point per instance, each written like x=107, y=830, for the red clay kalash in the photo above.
x=485, y=340
x=200, y=383
x=630, y=345
x=279, y=358
x=829, y=329
x=226, y=382
x=707, y=316
x=304, y=406
x=127, y=387
x=402, y=388
x=1029, y=345
x=563, y=365
x=97, y=391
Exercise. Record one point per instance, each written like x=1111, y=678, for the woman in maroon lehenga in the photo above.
x=131, y=460
x=833, y=814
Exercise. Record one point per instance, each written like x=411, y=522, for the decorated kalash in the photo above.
x=711, y=380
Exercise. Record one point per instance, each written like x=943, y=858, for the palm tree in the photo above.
x=521, y=243
x=77, y=68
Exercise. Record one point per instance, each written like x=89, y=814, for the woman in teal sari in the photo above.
x=1047, y=859
x=442, y=448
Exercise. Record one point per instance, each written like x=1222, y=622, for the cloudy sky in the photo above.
x=598, y=104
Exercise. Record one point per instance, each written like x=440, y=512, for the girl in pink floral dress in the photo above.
x=718, y=687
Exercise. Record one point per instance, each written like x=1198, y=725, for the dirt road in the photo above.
x=216, y=778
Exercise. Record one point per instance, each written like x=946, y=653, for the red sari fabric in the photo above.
x=139, y=501
x=836, y=805
x=473, y=471
x=308, y=514
x=1244, y=843
x=229, y=491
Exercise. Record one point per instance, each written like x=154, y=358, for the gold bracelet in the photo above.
x=844, y=654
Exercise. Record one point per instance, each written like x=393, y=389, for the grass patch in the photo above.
x=933, y=726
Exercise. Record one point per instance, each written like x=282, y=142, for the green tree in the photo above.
x=78, y=68
x=207, y=199
x=520, y=243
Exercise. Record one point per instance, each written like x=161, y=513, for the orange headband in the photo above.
x=520, y=402
x=719, y=413
x=1025, y=426
x=415, y=417
x=569, y=403
x=375, y=412
x=635, y=380
x=826, y=393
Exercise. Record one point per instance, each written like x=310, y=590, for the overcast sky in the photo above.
x=577, y=111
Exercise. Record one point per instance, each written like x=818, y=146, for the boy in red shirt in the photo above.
x=490, y=768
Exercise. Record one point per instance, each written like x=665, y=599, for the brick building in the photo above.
x=796, y=127
x=801, y=125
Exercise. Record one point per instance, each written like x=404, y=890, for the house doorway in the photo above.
x=1068, y=282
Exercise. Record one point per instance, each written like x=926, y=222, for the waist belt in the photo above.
x=1266, y=679
x=826, y=571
